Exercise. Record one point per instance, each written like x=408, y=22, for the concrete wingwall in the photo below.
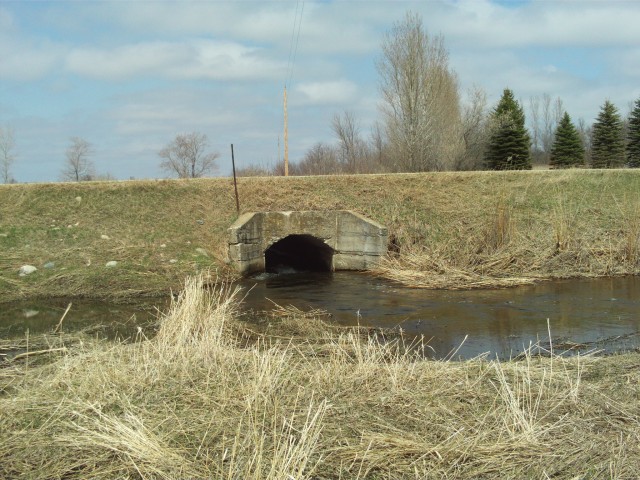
x=358, y=243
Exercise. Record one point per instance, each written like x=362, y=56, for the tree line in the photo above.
x=424, y=126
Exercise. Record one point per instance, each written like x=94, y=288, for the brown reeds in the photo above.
x=196, y=402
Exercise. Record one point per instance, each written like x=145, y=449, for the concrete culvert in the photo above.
x=300, y=253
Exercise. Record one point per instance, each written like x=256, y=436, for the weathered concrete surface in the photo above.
x=357, y=242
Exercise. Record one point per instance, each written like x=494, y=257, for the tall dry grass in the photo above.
x=208, y=398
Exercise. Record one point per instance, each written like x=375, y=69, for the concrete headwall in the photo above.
x=357, y=242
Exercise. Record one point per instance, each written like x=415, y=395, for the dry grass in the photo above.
x=206, y=399
x=460, y=230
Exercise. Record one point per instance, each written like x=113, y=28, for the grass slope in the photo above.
x=455, y=230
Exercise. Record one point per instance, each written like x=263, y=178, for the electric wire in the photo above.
x=293, y=47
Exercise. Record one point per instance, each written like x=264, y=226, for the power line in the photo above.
x=293, y=47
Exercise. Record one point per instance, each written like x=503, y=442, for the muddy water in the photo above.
x=582, y=315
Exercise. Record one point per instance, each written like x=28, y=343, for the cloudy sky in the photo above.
x=129, y=76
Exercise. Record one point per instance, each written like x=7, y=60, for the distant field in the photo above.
x=455, y=230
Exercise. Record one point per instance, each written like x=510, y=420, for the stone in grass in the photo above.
x=111, y=264
x=202, y=251
x=49, y=265
x=26, y=270
x=105, y=237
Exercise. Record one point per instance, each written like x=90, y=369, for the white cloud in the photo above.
x=329, y=92
x=125, y=61
x=198, y=59
x=481, y=23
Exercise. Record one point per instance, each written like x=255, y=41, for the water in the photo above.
x=581, y=315
x=104, y=319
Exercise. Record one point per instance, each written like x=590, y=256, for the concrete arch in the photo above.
x=300, y=252
x=343, y=240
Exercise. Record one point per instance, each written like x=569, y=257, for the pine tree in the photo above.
x=633, y=137
x=608, y=139
x=567, y=150
x=508, y=147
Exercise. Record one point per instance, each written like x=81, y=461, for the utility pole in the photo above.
x=286, y=136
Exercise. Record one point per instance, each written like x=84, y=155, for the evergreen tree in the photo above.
x=633, y=137
x=567, y=150
x=608, y=139
x=509, y=143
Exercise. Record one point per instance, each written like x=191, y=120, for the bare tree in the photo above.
x=186, y=156
x=78, y=167
x=353, y=150
x=420, y=95
x=586, y=134
x=546, y=113
x=475, y=131
x=7, y=157
x=321, y=159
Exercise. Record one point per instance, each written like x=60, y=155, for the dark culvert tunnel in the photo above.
x=302, y=253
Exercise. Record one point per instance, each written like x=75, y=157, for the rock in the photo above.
x=173, y=260
x=49, y=265
x=78, y=199
x=200, y=221
x=164, y=245
x=111, y=264
x=202, y=251
x=30, y=313
x=26, y=270
x=105, y=237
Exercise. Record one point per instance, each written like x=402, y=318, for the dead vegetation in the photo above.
x=206, y=399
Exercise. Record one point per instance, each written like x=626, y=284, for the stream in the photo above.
x=579, y=315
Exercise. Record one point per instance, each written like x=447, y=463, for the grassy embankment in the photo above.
x=209, y=398
x=206, y=398
x=455, y=230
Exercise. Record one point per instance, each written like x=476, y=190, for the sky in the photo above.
x=128, y=76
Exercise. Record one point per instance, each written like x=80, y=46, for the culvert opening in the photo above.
x=300, y=253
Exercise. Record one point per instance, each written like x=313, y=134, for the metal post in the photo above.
x=235, y=182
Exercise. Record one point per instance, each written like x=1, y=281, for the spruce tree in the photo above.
x=509, y=143
x=567, y=150
x=608, y=139
x=633, y=137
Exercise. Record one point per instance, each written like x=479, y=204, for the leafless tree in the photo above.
x=475, y=131
x=78, y=167
x=186, y=156
x=353, y=150
x=585, y=131
x=420, y=98
x=321, y=159
x=7, y=157
x=546, y=113
x=378, y=147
